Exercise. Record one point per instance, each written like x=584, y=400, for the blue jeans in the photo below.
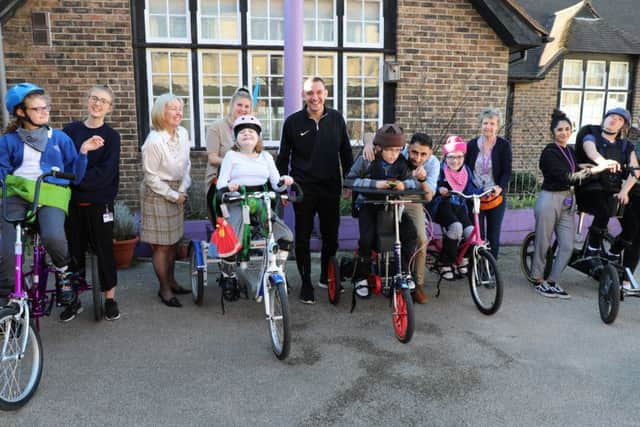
x=491, y=224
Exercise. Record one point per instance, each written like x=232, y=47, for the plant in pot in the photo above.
x=125, y=234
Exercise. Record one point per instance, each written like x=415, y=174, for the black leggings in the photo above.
x=601, y=204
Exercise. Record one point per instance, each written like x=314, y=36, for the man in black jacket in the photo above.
x=315, y=150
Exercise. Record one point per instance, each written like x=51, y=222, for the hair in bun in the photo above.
x=558, y=116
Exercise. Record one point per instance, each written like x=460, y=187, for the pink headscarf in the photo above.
x=456, y=179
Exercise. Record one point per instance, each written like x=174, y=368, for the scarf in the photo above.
x=457, y=179
x=36, y=138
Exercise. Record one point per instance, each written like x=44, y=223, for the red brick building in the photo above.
x=429, y=65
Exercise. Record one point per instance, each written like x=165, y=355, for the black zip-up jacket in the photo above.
x=316, y=156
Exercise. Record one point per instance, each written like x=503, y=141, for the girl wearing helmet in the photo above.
x=449, y=210
x=248, y=165
x=29, y=148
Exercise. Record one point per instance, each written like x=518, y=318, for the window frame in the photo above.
x=318, y=43
x=345, y=24
x=199, y=17
x=268, y=42
x=151, y=39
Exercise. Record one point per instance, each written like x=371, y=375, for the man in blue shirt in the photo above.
x=426, y=169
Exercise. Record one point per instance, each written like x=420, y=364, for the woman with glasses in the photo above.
x=29, y=148
x=91, y=207
x=220, y=139
x=166, y=166
x=489, y=156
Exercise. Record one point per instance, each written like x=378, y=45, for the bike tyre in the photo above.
x=333, y=281
x=280, y=340
x=483, y=255
x=196, y=276
x=33, y=355
x=526, y=257
x=609, y=294
x=402, y=315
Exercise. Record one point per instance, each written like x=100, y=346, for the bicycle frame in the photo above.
x=475, y=238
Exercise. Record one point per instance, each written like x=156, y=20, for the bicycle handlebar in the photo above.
x=36, y=196
x=471, y=196
x=234, y=196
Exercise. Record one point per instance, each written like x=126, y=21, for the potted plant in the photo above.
x=125, y=234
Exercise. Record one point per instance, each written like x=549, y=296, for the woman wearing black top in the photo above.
x=555, y=207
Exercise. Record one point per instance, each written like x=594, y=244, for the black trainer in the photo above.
x=111, y=311
x=306, y=295
x=73, y=309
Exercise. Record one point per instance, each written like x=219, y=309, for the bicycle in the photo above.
x=271, y=282
x=609, y=274
x=485, y=282
x=21, y=348
x=386, y=277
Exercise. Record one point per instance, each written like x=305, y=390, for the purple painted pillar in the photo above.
x=293, y=42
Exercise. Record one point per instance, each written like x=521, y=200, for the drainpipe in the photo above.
x=3, y=83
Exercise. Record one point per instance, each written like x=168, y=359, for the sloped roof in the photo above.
x=8, y=8
x=515, y=27
x=588, y=26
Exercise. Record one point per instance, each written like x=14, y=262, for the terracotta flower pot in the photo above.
x=123, y=252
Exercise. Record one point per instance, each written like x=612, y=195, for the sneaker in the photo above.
x=556, y=289
x=544, y=290
x=626, y=285
x=610, y=256
x=322, y=284
x=306, y=295
x=362, y=288
x=64, y=288
x=446, y=272
x=73, y=309
x=111, y=311
x=410, y=282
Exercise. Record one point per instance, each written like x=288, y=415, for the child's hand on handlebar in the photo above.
x=396, y=185
x=233, y=187
x=286, y=180
x=443, y=191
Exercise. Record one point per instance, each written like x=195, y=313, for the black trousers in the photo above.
x=86, y=228
x=601, y=204
x=327, y=207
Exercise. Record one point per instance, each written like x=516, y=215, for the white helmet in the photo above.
x=247, y=121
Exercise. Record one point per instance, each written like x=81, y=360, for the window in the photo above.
x=363, y=22
x=219, y=20
x=363, y=96
x=167, y=20
x=169, y=71
x=203, y=50
x=219, y=79
x=591, y=87
x=319, y=23
x=266, y=19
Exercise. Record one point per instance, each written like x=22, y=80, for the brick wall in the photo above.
x=90, y=43
x=533, y=104
x=452, y=65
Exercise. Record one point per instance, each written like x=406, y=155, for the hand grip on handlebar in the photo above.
x=296, y=196
x=63, y=175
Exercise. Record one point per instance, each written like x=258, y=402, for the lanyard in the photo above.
x=568, y=158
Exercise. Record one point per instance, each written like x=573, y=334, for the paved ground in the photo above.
x=536, y=362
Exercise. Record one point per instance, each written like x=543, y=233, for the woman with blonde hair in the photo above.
x=220, y=139
x=166, y=166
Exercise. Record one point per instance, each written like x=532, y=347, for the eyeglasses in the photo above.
x=40, y=110
x=97, y=100
x=455, y=157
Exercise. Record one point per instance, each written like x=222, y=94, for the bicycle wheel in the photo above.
x=278, y=316
x=333, y=281
x=197, y=278
x=609, y=294
x=19, y=376
x=485, y=282
x=402, y=315
x=526, y=257
x=96, y=291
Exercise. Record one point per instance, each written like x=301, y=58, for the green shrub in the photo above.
x=125, y=226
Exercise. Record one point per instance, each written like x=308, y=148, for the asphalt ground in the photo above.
x=537, y=362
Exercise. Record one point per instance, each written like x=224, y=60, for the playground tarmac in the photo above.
x=537, y=362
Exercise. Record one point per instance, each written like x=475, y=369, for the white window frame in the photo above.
x=605, y=76
x=200, y=16
x=201, y=100
x=150, y=74
x=334, y=77
x=334, y=41
x=345, y=22
x=582, y=74
x=250, y=37
x=624, y=88
x=147, y=24
x=380, y=57
x=252, y=79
